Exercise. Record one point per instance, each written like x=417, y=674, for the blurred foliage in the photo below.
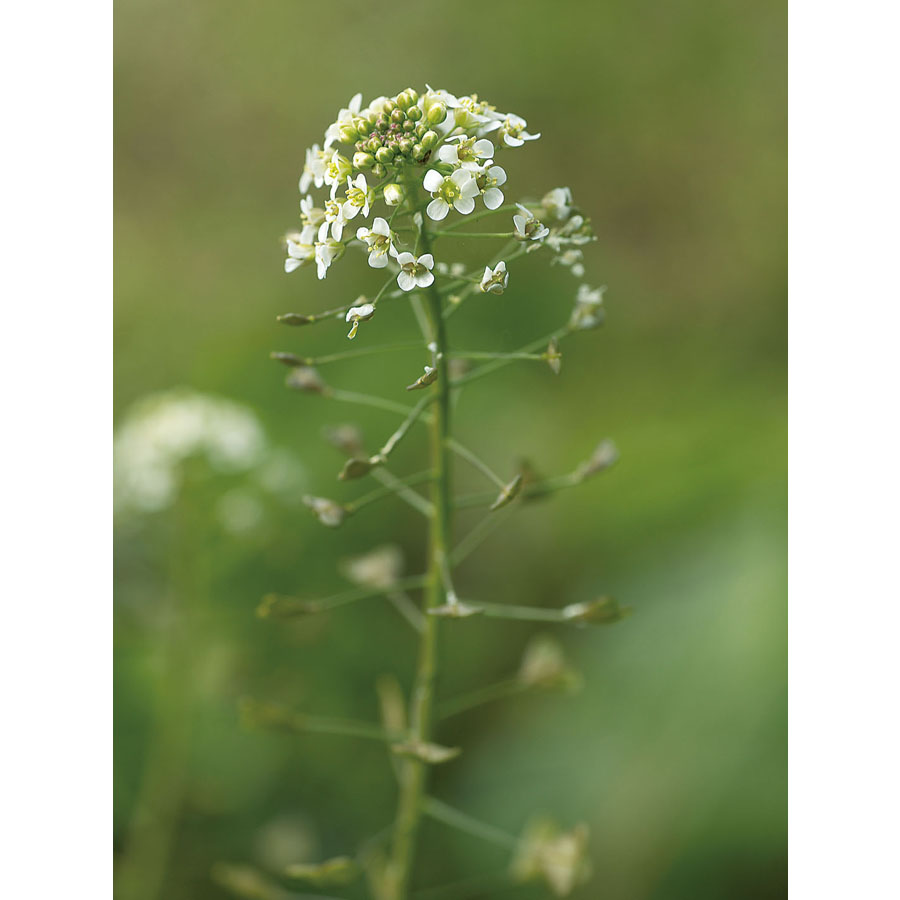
x=668, y=123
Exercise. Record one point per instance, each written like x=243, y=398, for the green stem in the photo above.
x=477, y=234
x=455, y=818
x=480, y=696
x=507, y=358
x=414, y=775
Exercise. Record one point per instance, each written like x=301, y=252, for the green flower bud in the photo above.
x=405, y=144
x=408, y=126
x=414, y=113
x=384, y=154
x=389, y=107
x=407, y=98
x=398, y=116
x=429, y=139
x=378, y=170
x=437, y=113
x=361, y=125
x=363, y=160
x=372, y=144
x=418, y=151
x=348, y=134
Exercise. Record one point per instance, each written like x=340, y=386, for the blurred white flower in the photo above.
x=357, y=314
x=161, y=431
x=558, y=203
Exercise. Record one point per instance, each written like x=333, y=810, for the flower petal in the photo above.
x=464, y=205
x=493, y=198
x=405, y=281
x=427, y=260
x=433, y=180
x=437, y=209
x=423, y=279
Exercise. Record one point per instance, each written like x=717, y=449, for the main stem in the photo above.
x=415, y=771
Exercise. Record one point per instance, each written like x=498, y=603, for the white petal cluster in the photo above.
x=494, y=281
x=437, y=142
x=163, y=430
x=415, y=273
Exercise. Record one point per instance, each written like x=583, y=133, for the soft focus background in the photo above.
x=667, y=120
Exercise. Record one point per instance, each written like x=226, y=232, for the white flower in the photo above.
x=415, y=272
x=588, y=312
x=334, y=218
x=469, y=112
x=457, y=190
x=558, y=203
x=310, y=214
x=359, y=196
x=512, y=131
x=300, y=248
x=468, y=152
x=345, y=117
x=494, y=281
x=327, y=252
x=313, y=168
x=393, y=194
x=528, y=228
x=357, y=314
x=378, y=240
x=328, y=512
x=336, y=171
x=571, y=258
x=489, y=183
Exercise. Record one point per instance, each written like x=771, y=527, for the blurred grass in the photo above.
x=668, y=122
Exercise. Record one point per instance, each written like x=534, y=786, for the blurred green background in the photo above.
x=667, y=120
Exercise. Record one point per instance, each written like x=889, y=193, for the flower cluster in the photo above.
x=431, y=154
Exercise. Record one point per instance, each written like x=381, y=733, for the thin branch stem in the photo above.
x=529, y=492
x=476, y=536
x=486, y=354
x=496, y=364
x=455, y=818
x=404, y=492
x=476, y=234
x=400, y=433
x=279, y=606
x=387, y=490
x=476, y=461
x=492, y=692
x=361, y=351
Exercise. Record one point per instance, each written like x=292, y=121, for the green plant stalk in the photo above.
x=414, y=782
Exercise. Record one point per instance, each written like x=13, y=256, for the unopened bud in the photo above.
x=508, y=494
x=429, y=139
x=418, y=151
x=356, y=467
x=553, y=356
x=602, y=611
x=327, y=511
x=423, y=381
x=295, y=319
x=434, y=754
x=393, y=194
x=378, y=170
x=306, y=379
x=384, y=155
x=339, y=870
x=603, y=457
x=437, y=112
x=346, y=438
x=288, y=359
x=349, y=135
x=363, y=160
x=414, y=113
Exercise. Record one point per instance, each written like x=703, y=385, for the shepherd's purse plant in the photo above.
x=401, y=180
